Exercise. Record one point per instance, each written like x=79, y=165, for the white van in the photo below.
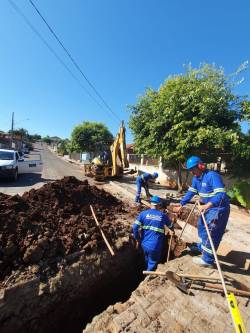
x=11, y=164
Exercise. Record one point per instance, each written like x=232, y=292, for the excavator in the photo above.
x=116, y=165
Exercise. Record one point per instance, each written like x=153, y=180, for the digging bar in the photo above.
x=235, y=319
x=102, y=233
x=202, y=284
x=237, y=292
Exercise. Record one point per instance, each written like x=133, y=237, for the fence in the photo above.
x=142, y=159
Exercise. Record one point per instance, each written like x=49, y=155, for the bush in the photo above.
x=240, y=193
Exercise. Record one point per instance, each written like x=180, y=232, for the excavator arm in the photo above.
x=119, y=153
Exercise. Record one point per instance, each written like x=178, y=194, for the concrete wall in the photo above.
x=169, y=176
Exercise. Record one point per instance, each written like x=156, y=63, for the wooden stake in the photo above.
x=169, y=247
x=102, y=233
x=189, y=215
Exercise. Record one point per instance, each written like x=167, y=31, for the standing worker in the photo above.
x=152, y=233
x=142, y=181
x=209, y=186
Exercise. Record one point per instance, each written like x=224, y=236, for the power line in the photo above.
x=20, y=13
x=73, y=60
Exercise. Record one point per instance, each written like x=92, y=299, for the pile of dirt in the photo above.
x=183, y=215
x=43, y=227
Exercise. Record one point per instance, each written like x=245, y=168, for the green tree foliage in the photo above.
x=90, y=137
x=64, y=147
x=240, y=193
x=22, y=132
x=193, y=113
x=47, y=139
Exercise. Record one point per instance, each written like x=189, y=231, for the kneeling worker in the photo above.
x=142, y=181
x=152, y=234
x=209, y=186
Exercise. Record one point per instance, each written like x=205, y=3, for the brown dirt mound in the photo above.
x=183, y=215
x=44, y=226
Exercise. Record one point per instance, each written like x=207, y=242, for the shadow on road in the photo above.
x=27, y=179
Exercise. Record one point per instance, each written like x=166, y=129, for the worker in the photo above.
x=142, y=181
x=105, y=157
x=209, y=186
x=148, y=230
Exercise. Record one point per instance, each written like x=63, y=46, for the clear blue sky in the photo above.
x=122, y=47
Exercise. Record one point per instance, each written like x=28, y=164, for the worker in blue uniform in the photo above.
x=209, y=186
x=149, y=232
x=142, y=181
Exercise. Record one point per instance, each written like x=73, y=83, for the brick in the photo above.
x=247, y=324
x=124, y=319
x=153, y=296
x=145, y=303
x=218, y=326
x=200, y=326
x=171, y=293
x=135, y=327
x=141, y=315
x=155, y=310
x=155, y=326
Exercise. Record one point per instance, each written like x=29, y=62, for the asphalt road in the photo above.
x=54, y=168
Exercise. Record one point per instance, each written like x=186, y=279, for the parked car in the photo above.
x=26, y=150
x=11, y=164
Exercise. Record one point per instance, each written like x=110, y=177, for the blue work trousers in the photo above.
x=139, y=184
x=152, y=257
x=217, y=221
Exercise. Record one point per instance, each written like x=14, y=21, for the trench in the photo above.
x=74, y=315
x=72, y=299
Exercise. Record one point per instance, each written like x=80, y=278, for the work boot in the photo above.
x=199, y=261
x=194, y=249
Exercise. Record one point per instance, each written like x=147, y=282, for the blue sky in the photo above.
x=122, y=47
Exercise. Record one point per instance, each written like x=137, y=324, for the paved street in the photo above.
x=54, y=168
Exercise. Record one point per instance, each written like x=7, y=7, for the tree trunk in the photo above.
x=179, y=177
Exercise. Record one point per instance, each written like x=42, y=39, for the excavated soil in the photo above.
x=42, y=228
x=183, y=215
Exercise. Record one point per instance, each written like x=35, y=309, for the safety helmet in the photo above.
x=192, y=162
x=155, y=174
x=155, y=200
x=96, y=161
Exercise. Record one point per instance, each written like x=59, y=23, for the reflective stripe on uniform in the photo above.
x=204, y=248
x=149, y=227
x=212, y=194
x=137, y=222
x=191, y=189
x=207, y=195
x=219, y=189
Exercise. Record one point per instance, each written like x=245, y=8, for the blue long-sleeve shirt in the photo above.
x=151, y=222
x=144, y=178
x=210, y=188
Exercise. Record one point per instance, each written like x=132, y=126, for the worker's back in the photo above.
x=152, y=222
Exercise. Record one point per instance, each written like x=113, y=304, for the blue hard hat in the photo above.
x=155, y=199
x=192, y=162
x=155, y=174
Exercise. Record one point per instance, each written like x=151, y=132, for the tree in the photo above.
x=91, y=137
x=47, y=139
x=64, y=147
x=22, y=132
x=193, y=113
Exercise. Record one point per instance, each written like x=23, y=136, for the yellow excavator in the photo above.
x=115, y=164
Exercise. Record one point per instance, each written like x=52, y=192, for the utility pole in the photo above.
x=12, y=129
